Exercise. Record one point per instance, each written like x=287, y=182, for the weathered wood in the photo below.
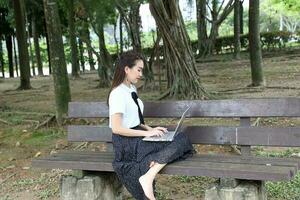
x=290, y=162
x=245, y=122
x=279, y=107
x=265, y=136
x=187, y=167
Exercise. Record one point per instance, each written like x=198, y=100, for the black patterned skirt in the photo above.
x=133, y=157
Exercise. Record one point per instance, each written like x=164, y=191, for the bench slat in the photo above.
x=204, y=157
x=188, y=167
x=258, y=136
x=267, y=107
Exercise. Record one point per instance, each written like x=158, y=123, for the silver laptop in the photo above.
x=168, y=136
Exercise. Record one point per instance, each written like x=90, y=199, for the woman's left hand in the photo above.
x=163, y=129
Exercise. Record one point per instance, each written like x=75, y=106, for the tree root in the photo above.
x=47, y=121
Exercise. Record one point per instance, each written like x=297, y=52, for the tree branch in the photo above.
x=219, y=10
x=209, y=7
x=226, y=11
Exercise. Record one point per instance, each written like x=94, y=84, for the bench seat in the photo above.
x=230, y=166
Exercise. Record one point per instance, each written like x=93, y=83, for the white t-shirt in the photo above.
x=120, y=101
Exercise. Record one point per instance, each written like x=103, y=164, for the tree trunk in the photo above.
x=37, y=47
x=201, y=25
x=135, y=25
x=48, y=49
x=115, y=36
x=237, y=42
x=241, y=18
x=22, y=44
x=31, y=55
x=81, y=51
x=218, y=15
x=132, y=21
x=178, y=55
x=10, y=55
x=86, y=35
x=73, y=43
x=254, y=44
x=57, y=60
x=2, y=60
x=104, y=66
x=15, y=56
x=121, y=33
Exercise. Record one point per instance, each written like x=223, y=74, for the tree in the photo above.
x=35, y=14
x=100, y=14
x=72, y=37
x=81, y=56
x=241, y=10
x=37, y=46
x=183, y=79
x=237, y=41
x=10, y=55
x=15, y=55
x=1, y=59
x=129, y=12
x=201, y=25
x=218, y=13
x=279, y=15
x=19, y=12
x=6, y=32
x=254, y=44
x=57, y=59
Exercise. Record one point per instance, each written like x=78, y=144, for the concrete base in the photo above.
x=92, y=186
x=244, y=191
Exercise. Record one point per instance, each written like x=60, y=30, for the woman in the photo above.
x=136, y=161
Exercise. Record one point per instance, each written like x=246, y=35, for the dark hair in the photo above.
x=128, y=59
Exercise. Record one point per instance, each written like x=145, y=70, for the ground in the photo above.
x=23, y=137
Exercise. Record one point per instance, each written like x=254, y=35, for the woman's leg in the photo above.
x=147, y=179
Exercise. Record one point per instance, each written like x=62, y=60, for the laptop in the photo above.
x=168, y=136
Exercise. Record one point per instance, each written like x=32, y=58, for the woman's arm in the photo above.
x=146, y=127
x=117, y=128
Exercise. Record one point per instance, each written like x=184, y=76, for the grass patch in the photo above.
x=280, y=154
x=284, y=190
x=35, y=138
x=44, y=137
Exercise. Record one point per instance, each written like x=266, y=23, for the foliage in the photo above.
x=293, y=5
x=269, y=40
x=275, y=13
x=284, y=190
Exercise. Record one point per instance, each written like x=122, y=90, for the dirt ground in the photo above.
x=23, y=111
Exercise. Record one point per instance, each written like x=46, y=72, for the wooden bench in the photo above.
x=230, y=168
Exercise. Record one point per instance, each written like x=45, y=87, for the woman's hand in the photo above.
x=157, y=131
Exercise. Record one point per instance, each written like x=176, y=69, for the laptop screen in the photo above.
x=181, y=120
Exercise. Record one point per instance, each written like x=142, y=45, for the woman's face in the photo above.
x=135, y=73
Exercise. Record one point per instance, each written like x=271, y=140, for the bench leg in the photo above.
x=91, y=186
x=245, y=190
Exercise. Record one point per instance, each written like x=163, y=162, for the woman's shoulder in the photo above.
x=117, y=91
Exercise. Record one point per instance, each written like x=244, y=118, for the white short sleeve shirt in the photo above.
x=120, y=101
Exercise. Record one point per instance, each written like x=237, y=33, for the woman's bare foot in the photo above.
x=146, y=183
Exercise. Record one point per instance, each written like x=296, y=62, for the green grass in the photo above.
x=289, y=190
x=35, y=138
x=284, y=190
x=44, y=137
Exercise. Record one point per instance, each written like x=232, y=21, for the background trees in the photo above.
x=94, y=32
x=57, y=59
x=19, y=12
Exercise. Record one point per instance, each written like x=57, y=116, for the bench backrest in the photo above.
x=244, y=109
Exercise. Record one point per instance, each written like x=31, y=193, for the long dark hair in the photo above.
x=128, y=59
